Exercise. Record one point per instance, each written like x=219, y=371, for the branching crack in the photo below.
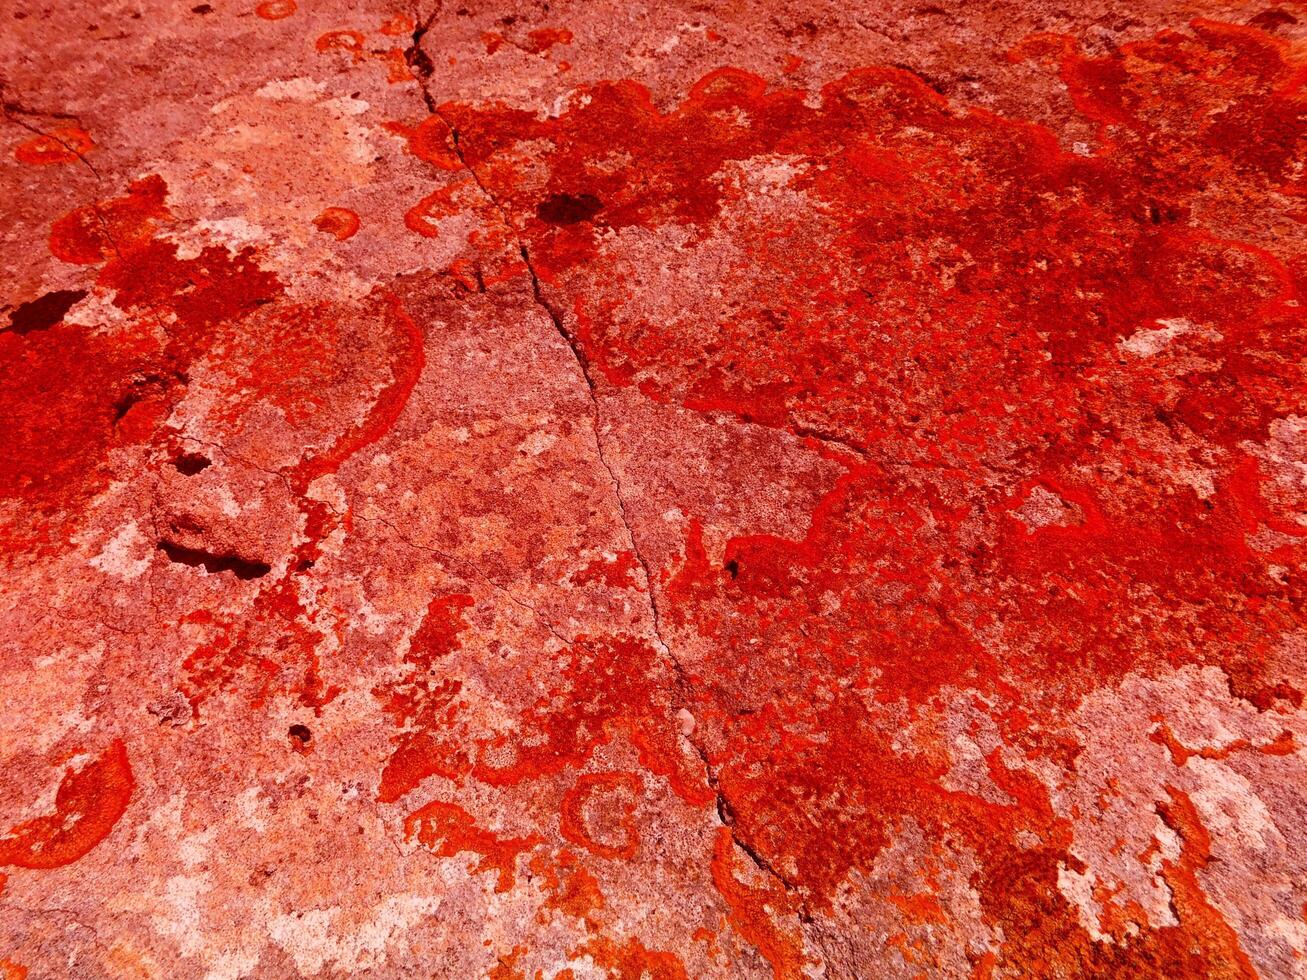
x=14, y=111
x=684, y=685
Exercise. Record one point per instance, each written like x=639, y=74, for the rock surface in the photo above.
x=581, y=490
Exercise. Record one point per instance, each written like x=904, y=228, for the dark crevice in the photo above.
x=242, y=568
x=143, y=387
x=45, y=311
x=568, y=209
x=189, y=464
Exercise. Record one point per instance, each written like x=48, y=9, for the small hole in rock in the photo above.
x=191, y=463
x=568, y=209
x=301, y=734
x=733, y=567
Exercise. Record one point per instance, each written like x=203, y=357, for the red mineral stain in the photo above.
x=340, y=222
x=88, y=804
x=63, y=145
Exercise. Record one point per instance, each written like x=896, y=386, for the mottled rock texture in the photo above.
x=577, y=490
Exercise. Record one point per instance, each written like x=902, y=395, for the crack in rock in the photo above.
x=725, y=809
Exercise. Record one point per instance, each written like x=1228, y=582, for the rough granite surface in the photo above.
x=653, y=490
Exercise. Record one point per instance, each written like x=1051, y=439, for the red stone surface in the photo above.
x=679, y=490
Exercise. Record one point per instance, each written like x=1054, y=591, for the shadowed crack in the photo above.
x=213, y=563
x=725, y=809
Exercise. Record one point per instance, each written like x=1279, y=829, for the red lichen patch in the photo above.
x=99, y=231
x=340, y=222
x=1282, y=744
x=571, y=889
x=598, y=813
x=606, y=681
x=1052, y=378
x=542, y=39
x=423, y=701
x=276, y=9
x=401, y=25
x=617, y=572
x=1214, y=949
x=406, y=368
x=631, y=960
x=449, y=830
x=63, y=145
x=1016, y=236
x=506, y=967
x=292, y=628
x=68, y=396
x=88, y=804
x=397, y=67
x=949, y=304
x=431, y=141
x=12, y=970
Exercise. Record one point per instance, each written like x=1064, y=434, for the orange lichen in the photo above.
x=96, y=232
x=449, y=830
x=592, y=792
x=276, y=9
x=87, y=806
x=631, y=960
x=542, y=39
x=1214, y=944
x=63, y=145
x=571, y=889
x=340, y=222
x=349, y=41
x=755, y=911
